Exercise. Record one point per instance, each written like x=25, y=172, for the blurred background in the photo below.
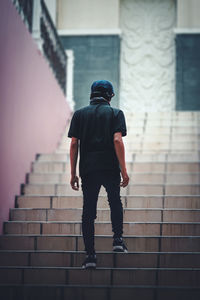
x=52, y=50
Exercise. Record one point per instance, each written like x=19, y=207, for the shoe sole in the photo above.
x=119, y=249
x=89, y=266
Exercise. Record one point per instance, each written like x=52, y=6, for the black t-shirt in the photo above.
x=95, y=125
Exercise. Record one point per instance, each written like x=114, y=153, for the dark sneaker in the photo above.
x=90, y=262
x=119, y=246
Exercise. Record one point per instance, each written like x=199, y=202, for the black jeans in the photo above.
x=91, y=184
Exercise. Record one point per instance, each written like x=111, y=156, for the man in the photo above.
x=99, y=128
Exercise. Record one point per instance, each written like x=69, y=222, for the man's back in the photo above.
x=95, y=125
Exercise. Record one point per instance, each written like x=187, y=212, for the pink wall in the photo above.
x=33, y=109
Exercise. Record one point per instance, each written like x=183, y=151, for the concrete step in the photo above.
x=168, y=131
x=138, y=167
x=160, y=123
x=130, y=215
x=174, y=115
x=56, y=190
x=43, y=166
x=139, y=178
x=131, y=189
x=155, y=146
x=77, y=292
x=170, y=167
x=169, y=157
x=101, y=276
x=56, y=167
x=161, y=140
x=191, y=156
x=140, y=147
x=155, y=143
x=52, y=157
x=166, y=146
x=136, y=133
x=167, y=126
x=184, y=202
x=105, y=259
x=153, y=130
x=102, y=243
x=153, y=134
x=168, y=122
x=172, y=137
x=103, y=228
x=161, y=178
x=157, y=157
x=187, y=178
x=48, y=178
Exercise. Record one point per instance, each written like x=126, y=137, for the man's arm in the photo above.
x=73, y=161
x=120, y=152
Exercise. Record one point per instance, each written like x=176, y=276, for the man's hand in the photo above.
x=73, y=160
x=120, y=152
x=74, y=182
x=125, y=179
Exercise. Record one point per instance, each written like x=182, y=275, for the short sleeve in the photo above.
x=120, y=123
x=74, y=126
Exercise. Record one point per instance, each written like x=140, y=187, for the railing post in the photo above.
x=37, y=11
x=70, y=77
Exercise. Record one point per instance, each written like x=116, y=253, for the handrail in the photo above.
x=48, y=38
x=25, y=10
x=52, y=47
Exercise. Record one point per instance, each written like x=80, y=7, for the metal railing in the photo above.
x=52, y=47
x=47, y=37
x=25, y=9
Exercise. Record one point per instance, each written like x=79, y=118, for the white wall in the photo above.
x=87, y=14
x=188, y=13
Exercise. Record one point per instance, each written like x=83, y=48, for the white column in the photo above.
x=188, y=14
x=51, y=5
x=70, y=78
x=36, y=23
x=147, y=80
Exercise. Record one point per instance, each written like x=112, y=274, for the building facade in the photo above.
x=149, y=49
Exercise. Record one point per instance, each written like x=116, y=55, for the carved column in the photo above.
x=147, y=55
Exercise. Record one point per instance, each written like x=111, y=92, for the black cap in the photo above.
x=102, y=88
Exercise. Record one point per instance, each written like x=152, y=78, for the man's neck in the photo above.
x=99, y=100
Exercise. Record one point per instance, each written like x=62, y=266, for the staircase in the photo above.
x=41, y=250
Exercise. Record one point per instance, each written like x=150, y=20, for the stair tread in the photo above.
x=103, y=196
x=100, y=268
x=102, y=286
x=131, y=172
x=99, y=252
x=107, y=209
x=98, y=222
x=135, y=184
x=97, y=235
